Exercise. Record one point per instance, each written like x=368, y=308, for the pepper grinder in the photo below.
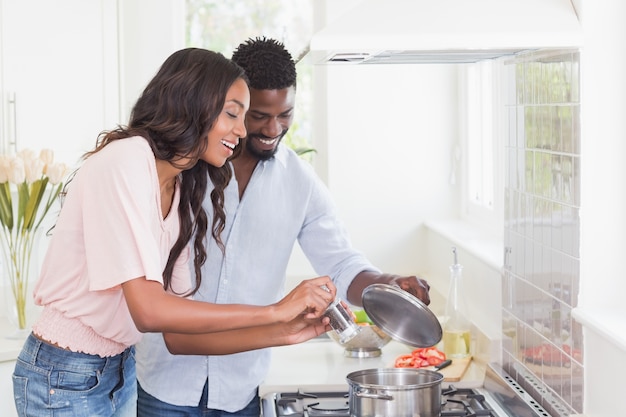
x=341, y=320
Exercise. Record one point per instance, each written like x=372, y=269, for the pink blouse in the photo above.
x=109, y=231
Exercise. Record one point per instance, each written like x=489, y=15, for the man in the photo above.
x=274, y=199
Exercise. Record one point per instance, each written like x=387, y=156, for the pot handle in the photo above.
x=374, y=396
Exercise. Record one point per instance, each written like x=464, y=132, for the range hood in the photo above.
x=425, y=31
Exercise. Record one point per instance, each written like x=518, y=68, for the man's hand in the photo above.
x=411, y=284
x=414, y=285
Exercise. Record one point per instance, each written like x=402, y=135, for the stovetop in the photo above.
x=499, y=397
x=455, y=402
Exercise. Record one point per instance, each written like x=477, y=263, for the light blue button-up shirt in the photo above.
x=284, y=201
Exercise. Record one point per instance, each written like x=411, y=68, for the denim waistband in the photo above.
x=35, y=348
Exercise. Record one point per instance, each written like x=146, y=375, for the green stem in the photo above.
x=20, y=220
x=18, y=249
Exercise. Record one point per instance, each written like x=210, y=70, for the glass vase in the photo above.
x=20, y=270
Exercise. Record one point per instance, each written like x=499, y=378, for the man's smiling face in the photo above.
x=267, y=121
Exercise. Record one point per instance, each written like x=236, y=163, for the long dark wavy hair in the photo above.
x=174, y=114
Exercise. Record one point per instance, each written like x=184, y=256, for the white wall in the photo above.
x=384, y=138
x=603, y=207
x=481, y=257
x=387, y=153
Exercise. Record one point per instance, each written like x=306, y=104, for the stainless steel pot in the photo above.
x=398, y=392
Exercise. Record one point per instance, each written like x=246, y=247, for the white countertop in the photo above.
x=318, y=362
x=10, y=346
x=321, y=363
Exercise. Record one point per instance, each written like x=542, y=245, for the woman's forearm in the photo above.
x=226, y=342
x=154, y=310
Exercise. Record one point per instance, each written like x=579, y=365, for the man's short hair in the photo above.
x=267, y=63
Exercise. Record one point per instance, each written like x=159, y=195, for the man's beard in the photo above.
x=262, y=155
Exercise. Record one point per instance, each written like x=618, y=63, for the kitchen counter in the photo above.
x=320, y=363
x=314, y=365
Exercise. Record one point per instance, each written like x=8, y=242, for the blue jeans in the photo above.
x=149, y=406
x=50, y=381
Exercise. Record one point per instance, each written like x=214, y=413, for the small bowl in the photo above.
x=366, y=344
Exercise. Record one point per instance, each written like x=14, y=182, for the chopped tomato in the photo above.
x=433, y=353
x=420, y=357
x=432, y=360
x=404, y=361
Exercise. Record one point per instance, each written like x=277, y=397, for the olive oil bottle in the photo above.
x=456, y=328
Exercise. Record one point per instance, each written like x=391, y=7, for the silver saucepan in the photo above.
x=398, y=392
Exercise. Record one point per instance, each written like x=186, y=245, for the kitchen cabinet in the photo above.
x=58, y=75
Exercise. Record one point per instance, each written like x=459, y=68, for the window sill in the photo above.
x=486, y=246
x=606, y=323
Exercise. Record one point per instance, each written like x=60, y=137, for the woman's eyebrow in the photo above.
x=237, y=102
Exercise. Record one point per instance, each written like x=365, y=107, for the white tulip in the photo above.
x=17, y=174
x=56, y=172
x=47, y=156
x=33, y=169
x=27, y=154
x=5, y=168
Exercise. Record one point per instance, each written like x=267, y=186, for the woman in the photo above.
x=117, y=264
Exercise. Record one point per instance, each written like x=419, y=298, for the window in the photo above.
x=221, y=26
x=482, y=137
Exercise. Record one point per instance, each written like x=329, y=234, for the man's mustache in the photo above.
x=262, y=136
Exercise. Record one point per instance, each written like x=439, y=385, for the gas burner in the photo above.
x=329, y=407
x=315, y=404
x=464, y=403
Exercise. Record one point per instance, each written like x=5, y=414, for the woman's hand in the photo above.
x=309, y=299
x=302, y=329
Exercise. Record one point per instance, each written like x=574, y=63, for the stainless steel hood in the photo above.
x=422, y=31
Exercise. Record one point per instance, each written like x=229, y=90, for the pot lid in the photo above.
x=401, y=315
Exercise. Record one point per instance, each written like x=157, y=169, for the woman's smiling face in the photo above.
x=229, y=127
